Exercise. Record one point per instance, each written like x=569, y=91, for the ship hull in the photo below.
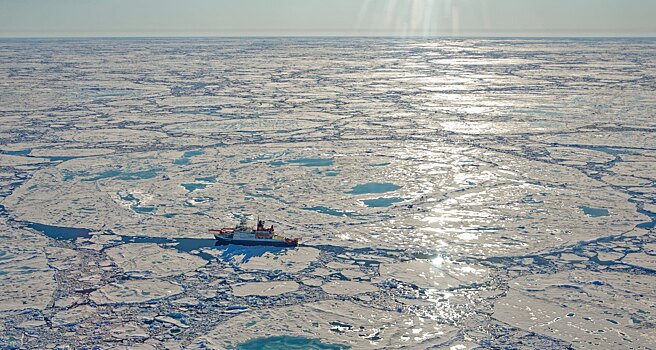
x=255, y=242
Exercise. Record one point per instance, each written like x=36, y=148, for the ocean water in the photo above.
x=448, y=193
x=286, y=342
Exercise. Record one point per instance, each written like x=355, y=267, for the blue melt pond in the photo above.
x=211, y=179
x=288, y=342
x=382, y=202
x=137, y=175
x=4, y=255
x=128, y=197
x=143, y=210
x=193, y=187
x=61, y=158
x=193, y=153
x=22, y=152
x=60, y=233
x=594, y=212
x=374, y=187
x=313, y=161
x=330, y=211
x=103, y=175
x=184, y=160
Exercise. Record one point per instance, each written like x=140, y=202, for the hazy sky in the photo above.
x=327, y=17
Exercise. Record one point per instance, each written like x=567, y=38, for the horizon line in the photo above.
x=335, y=36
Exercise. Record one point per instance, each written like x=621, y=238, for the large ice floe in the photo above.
x=265, y=289
x=152, y=260
x=136, y=291
x=26, y=280
x=589, y=310
x=449, y=194
x=336, y=322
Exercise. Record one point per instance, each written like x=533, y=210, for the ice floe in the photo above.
x=134, y=291
x=153, y=260
x=264, y=289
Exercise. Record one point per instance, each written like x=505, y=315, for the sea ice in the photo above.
x=153, y=260
x=291, y=260
x=348, y=287
x=134, y=291
x=438, y=273
x=340, y=322
x=495, y=148
x=264, y=289
x=590, y=310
